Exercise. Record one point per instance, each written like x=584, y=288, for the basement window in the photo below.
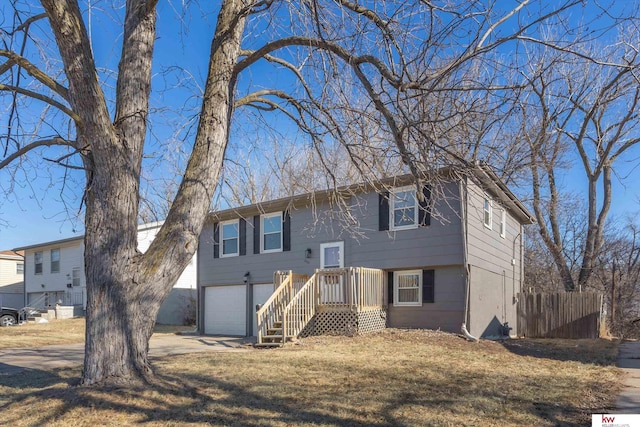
x=407, y=287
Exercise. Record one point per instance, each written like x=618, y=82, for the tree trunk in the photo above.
x=125, y=288
x=594, y=240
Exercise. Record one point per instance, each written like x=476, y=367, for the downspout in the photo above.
x=521, y=258
x=513, y=263
x=467, y=273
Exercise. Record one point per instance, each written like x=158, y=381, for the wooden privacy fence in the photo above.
x=559, y=315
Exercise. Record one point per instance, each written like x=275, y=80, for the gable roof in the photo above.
x=12, y=255
x=481, y=173
x=141, y=227
x=50, y=243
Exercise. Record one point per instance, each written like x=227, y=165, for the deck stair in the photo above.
x=338, y=299
x=274, y=336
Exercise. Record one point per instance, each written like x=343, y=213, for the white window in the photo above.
x=332, y=255
x=488, y=212
x=75, y=276
x=37, y=261
x=407, y=287
x=271, y=233
x=229, y=238
x=403, y=208
x=503, y=224
x=20, y=268
x=55, y=260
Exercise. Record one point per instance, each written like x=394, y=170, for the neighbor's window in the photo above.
x=55, y=260
x=229, y=238
x=403, y=208
x=271, y=229
x=37, y=258
x=20, y=268
x=488, y=212
x=407, y=287
x=75, y=276
x=503, y=224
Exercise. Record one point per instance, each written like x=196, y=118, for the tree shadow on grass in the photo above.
x=169, y=399
x=20, y=378
x=195, y=398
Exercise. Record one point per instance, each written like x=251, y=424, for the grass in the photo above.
x=55, y=332
x=394, y=377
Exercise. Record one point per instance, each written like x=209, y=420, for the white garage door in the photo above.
x=261, y=294
x=225, y=310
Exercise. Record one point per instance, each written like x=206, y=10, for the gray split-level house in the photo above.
x=402, y=260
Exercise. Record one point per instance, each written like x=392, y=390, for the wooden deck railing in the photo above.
x=370, y=288
x=352, y=288
x=272, y=310
x=357, y=288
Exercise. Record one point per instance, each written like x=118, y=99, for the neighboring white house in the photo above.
x=54, y=272
x=11, y=279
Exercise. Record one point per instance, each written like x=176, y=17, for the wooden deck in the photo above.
x=338, y=300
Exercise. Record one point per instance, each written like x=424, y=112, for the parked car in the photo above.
x=9, y=316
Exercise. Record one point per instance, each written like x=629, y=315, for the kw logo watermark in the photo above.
x=615, y=420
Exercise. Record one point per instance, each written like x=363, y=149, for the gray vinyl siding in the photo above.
x=486, y=249
x=439, y=244
x=491, y=303
x=494, y=279
x=445, y=313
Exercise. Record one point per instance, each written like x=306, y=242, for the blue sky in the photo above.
x=35, y=213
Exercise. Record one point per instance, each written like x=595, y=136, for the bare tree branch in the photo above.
x=26, y=148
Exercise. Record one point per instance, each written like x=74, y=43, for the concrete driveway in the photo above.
x=15, y=360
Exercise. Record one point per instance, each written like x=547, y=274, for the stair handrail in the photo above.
x=301, y=309
x=271, y=311
x=27, y=309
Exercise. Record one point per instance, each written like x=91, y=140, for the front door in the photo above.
x=332, y=286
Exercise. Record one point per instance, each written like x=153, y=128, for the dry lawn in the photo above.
x=410, y=378
x=67, y=331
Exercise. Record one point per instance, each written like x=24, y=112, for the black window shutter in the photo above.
x=428, y=286
x=256, y=234
x=242, y=234
x=383, y=211
x=390, y=287
x=424, y=214
x=286, y=231
x=216, y=240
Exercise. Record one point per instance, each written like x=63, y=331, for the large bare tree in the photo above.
x=580, y=116
x=388, y=55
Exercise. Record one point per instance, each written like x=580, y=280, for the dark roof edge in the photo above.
x=492, y=182
x=51, y=243
x=481, y=172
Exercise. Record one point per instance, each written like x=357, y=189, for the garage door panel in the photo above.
x=225, y=310
x=261, y=294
